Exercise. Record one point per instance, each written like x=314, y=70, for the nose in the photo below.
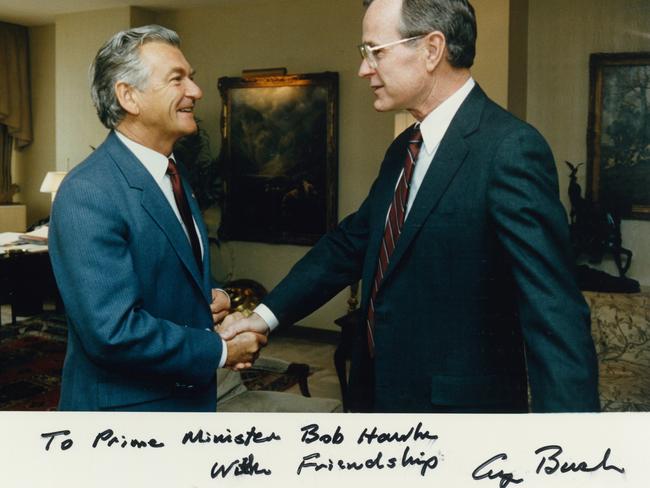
x=365, y=69
x=193, y=90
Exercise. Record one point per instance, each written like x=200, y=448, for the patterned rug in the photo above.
x=31, y=360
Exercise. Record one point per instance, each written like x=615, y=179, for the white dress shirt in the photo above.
x=156, y=164
x=433, y=128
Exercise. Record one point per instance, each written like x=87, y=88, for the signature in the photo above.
x=571, y=467
x=504, y=478
x=550, y=463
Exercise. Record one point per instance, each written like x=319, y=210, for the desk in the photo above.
x=26, y=281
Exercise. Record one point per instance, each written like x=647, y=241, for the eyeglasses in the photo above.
x=368, y=52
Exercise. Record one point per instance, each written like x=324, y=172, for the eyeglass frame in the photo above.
x=367, y=51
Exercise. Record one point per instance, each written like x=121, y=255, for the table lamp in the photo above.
x=52, y=181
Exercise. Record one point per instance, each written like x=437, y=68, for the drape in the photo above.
x=5, y=169
x=15, y=107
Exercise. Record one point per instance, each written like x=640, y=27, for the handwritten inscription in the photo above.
x=65, y=443
x=395, y=450
x=251, y=436
x=369, y=435
x=422, y=461
x=108, y=438
x=413, y=434
x=311, y=434
x=246, y=466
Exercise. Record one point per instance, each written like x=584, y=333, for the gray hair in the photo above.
x=454, y=18
x=119, y=60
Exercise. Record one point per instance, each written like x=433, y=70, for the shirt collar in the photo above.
x=153, y=161
x=435, y=124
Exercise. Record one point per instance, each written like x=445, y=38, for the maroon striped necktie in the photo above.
x=184, y=210
x=394, y=223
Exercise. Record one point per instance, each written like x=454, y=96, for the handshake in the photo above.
x=244, y=336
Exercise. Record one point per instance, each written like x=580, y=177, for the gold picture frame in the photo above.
x=280, y=153
x=618, y=138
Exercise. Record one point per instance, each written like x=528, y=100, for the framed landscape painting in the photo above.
x=280, y=154
x=618, y=140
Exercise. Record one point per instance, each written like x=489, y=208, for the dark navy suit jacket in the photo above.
x=479, y=298
x=137, y=304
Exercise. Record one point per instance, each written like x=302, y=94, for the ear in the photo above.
x=436, y=47
x=127, y=97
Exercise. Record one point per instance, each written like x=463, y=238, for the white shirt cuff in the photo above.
x=224, y=354
x=268, y=316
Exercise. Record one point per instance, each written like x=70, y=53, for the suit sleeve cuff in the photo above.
x=268, y=316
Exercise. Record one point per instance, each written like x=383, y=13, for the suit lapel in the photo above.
x=449, y=157
x=156, y=205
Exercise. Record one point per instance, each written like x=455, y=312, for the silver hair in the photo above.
x=119, y=60
x=456, y=19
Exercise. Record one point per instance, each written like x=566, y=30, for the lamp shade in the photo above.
x=52, y=181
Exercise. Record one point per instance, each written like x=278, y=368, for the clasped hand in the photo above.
x=244, y=338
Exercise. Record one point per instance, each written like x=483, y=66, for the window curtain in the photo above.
x=15, y=109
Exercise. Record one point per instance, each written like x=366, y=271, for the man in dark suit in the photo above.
x=462, y=243
x=130, y=250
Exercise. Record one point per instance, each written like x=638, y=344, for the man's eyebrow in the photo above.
x=181, y=71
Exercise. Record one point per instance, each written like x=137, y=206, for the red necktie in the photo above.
x=184, y=210
x=394, y=223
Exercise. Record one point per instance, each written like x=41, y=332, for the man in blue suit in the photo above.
x=130, y=250
x=462, y=244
